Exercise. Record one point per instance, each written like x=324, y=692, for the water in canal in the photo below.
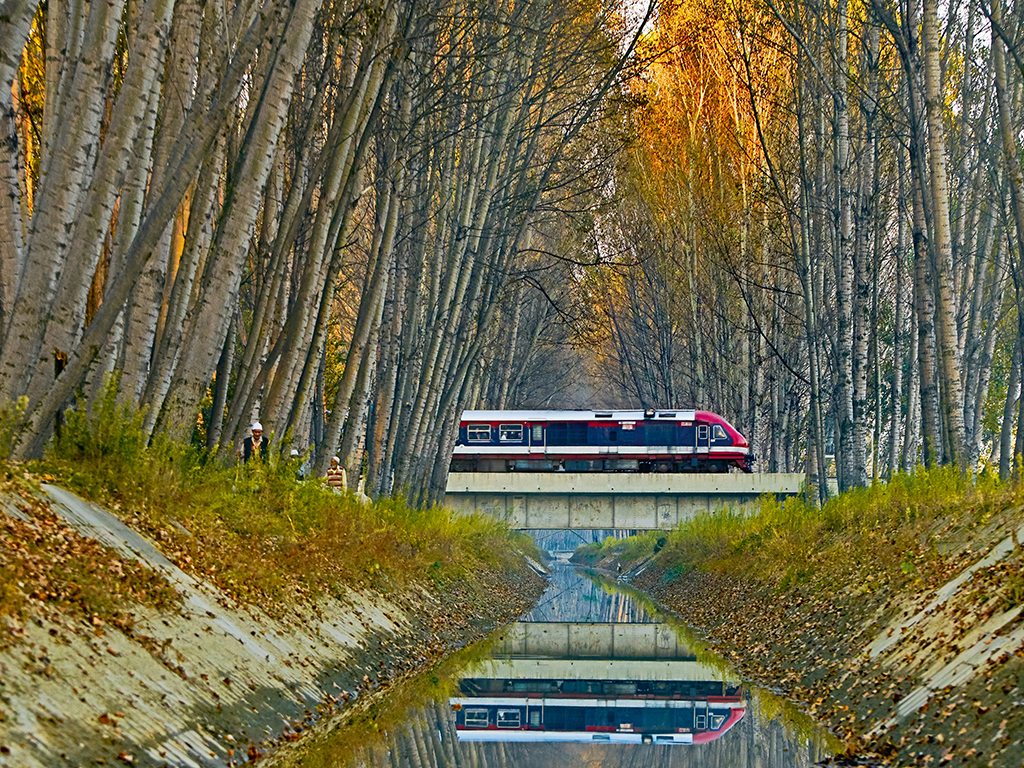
x=590, y=677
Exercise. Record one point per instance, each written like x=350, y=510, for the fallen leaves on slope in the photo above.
x=47, y=566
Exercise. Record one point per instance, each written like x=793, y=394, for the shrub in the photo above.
x=12, y=417
x=255, y=529
x=892, y=525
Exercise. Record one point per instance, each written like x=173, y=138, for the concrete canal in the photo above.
x=591, y=676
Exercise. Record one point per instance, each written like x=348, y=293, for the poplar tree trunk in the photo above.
x=62, y=180
x=852, y=470
x=190, y=150
x=946, y=333
x=1007, y=456
x=896, y=383
x=206, y=328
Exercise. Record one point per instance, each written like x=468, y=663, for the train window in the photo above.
x=478, y=433
x=477, y=718
x=538, y=433
x=718, y=433
x=510, y=433
x=508, y=718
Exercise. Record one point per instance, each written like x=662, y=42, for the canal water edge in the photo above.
x=210, y=681
x=592, y=675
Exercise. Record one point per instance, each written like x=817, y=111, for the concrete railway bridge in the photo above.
x=608, y=500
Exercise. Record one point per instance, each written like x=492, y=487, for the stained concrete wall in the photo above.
x=597, y=669
x=607, y=500
x=569, y=640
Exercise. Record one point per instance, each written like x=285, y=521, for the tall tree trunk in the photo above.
x=851, y=464
x=1007, y=457
x=945, y=317
x=190, y=150
x=896, y=382
x=62, y=180
x=862, y=261
x=208, y=323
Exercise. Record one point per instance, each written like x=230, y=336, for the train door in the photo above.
x=700, y=708
x=703, y=438
x=537, y=440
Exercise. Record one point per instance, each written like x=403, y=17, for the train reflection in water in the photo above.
x=595, y=683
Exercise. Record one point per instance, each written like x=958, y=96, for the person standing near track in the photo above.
x=255, y=444
x=336, y=478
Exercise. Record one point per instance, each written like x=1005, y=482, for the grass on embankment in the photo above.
x=255, y=530
x=912, y=529
x=796, y=597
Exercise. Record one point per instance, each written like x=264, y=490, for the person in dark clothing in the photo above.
x=255, y=444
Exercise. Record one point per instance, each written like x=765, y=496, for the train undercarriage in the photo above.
x=473, y=464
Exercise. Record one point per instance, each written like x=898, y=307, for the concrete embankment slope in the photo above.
x=927, y=671
x=211, y=681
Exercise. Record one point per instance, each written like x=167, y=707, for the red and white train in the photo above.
x=599, y=441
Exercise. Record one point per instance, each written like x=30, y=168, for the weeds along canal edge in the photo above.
x=893, y=613
x=771, y=702
x=342, y=736
x=349, y=639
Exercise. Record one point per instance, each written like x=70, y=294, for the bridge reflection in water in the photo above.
x=589, y=678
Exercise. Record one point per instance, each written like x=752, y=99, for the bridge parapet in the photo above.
x=608, y=500
x=591, y=640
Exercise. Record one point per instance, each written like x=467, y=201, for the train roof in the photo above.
x=684, y=414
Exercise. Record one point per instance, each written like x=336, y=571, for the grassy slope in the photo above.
x=265, y=538
x=793, y=594
x=47, y=566
x=257, y=532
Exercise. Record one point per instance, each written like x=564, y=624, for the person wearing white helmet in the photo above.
x=336, y=478
x=255, y=444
